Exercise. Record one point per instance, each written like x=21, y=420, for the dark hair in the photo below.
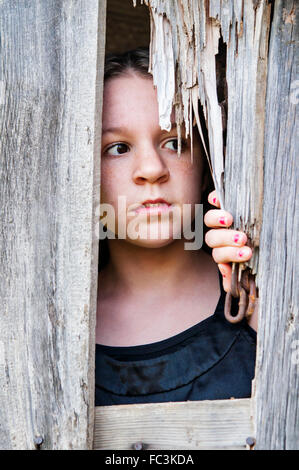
x=138, y=61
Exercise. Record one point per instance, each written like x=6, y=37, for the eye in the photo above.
x=173, y=144
x=117, y=149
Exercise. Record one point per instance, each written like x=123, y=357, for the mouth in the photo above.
x=156, y=206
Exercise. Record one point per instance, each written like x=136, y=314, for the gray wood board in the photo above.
x=277, y=373
x=219, y=424
x=50, y=119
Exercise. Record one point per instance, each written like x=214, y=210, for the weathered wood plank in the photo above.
x=220, y=424
x=50, y=112
x=277, y=374
x=185, y=70
x=246, y=76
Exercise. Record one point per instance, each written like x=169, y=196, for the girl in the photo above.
x=161, y=332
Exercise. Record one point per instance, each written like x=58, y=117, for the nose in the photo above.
x=150, y=166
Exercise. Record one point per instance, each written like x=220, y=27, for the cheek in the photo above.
x=189, y=179
x=111, y=184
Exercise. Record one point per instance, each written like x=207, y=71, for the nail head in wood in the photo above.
x=250, y=441
x=138, y=446
x=38, y=440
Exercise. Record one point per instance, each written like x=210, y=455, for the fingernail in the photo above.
x=222, y=221
x=214, y=200
x=221, y=270
x=243, y=252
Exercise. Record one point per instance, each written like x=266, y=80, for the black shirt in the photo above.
x=212, y=360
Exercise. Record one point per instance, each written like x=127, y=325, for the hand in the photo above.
x=228, y=245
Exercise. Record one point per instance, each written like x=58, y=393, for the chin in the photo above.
x=148, y=243
x=155, y=236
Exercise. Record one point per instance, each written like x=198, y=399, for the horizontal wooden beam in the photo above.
x=221, y=424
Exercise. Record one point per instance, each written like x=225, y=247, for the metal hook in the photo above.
x=234, y=284
x=242, y=286
x=252, y=297
x=242, y=307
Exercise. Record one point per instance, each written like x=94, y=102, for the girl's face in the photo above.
x=140, y=163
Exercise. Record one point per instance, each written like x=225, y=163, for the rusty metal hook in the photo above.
x=242, y=286
x=242, y=307
x=234, y=284
x=252, y=297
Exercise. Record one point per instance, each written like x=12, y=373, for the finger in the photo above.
x=229, y=254
x=225, y=237
x=213, y=199
x=218, y=218
x=226, y=271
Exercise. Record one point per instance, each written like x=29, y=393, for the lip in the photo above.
x=156, y=201
x=162, y=208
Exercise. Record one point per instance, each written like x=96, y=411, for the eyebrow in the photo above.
x=113, y=130
x=122, y=130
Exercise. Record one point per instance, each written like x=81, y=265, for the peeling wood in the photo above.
x=185, y=38
x=289, y=17
x=246, y=83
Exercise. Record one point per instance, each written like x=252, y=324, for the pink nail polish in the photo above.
x=214, y=200
x=236, y=238
x=220, y=269
x=222, y=221
x=241, y=253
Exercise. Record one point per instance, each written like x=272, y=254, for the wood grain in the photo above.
x=51, y=61
x=199, y=39
x=246, y=77
x=50, y=113
x=220, y=424
x=277, y=373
